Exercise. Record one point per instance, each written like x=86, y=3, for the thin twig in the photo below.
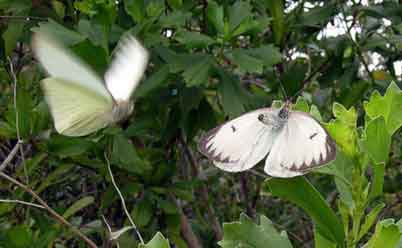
x=185, y=228
x=357, y=46
x=24, y=18
x=203, y=190
x=123, y=202
x=22, y=202
x=307, y=80
x=17, y=127
x=10, y=156
x=53, y=213
x=109, y=229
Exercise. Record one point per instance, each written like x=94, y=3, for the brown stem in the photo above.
x=10, y=156
x=186, y=230
x=244, y=192
x=203, y=191
x=53, y=213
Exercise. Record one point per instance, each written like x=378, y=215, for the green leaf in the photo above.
x=78, y=205
x=299, y=191
x=143, y=212
x=234, y=97
x=238, y=12
x=197, y=72
x=19, y=237
x=59, y=32
x=64, y=146
x=11, y=36
x=94, y=32
x=154, y=81
x=125, y=156
x=387, y=106
x=322, y=242
x=343, y=129
x=278, y=22
x=155, y=8
x=378, y=180
x=246, y=62
x=386, y=235
x=269, y=54
x=158, y=241
x=59, y=8
x=245, y=233
x=193, y=39
x=135, y=8
x=215, y=16
x=377, y=141
x=301, y=105
x=318, y=16
x=341, y=168
x=370, y=220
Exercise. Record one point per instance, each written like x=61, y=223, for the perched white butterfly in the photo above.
x=295, y=141
x=79, y=100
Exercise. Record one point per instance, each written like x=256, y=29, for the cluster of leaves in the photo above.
x=210, y=60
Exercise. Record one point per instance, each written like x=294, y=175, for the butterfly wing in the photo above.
x=60, y=63
x=76, y=110
x=127, y=68
x=302, y=145
x=239, y=144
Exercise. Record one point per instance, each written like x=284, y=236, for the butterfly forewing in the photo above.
x=302, y=145
x=76, y=110
x=61, y=63
x=127, y=68
x=239, y=144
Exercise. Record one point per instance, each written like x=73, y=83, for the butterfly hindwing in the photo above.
x=128, y=66
x=239, y=144
x=302, y=145
x=76, y=110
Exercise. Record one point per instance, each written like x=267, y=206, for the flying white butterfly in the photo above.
x=80, y=101
x=295, y=141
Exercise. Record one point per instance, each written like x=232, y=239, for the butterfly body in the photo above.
x=121, y=110
x=293, y=142
x=80, y=102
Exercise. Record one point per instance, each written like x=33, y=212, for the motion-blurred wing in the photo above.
x=239, y=144
x=60, y=63
x=127, y=68
x=76, y=110
x=302, y=145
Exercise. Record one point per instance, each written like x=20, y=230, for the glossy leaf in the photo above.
x=387, y=106
x=299, y=191
x=246, y=233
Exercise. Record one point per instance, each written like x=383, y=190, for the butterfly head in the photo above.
x=283, y=113
x=121, y=110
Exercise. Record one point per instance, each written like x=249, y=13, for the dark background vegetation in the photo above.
x=210, y=61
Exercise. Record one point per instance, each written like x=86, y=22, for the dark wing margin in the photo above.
x=205, y=149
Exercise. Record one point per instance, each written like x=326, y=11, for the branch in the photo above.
x=123, y=202
x=307, y=80
x=186, y=230
x=22, y=202
x=17, y=127
x=24, y=18
x=203, y=191
x=53, y=213
x=10, y=156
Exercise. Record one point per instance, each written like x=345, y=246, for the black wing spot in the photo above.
x=233, y=128
x=313, y=135
x=261, y=117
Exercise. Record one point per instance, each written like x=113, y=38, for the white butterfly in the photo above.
x=295, y=141
x=79, y=100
